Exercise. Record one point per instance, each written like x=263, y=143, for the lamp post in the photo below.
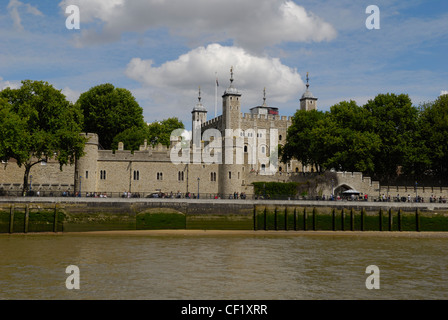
x=198, y=186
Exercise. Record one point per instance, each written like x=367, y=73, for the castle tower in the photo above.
x=198, y=118
x=86, y=166
x=308, y=101
x=231, y=169
x=231, y=106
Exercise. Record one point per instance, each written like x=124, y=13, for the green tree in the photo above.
x=160, y=131
x=433, y=135
x=300, y=142
x=394, y=120
x=132, y=138
x=109, y=111
x=37, y=123
x=348, y=144
x=154, y=133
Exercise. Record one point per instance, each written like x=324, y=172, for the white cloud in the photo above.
x=8, y=84
x=174, y=85
x=70, y=94
x=14, y=6
x=251, y=24
x=443, y=92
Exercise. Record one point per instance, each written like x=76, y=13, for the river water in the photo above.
x=224, y=266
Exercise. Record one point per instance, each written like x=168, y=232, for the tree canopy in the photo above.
x=154, y=133
x=37, y=123
x=386, y=137
x=109, y=111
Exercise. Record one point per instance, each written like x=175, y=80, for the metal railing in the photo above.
x=235, y=196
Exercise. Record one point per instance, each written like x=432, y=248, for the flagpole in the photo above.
x=216, y=96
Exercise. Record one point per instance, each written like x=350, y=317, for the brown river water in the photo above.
x=190, y=265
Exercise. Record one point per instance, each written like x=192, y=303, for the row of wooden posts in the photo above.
x=27, y=217
x=350, y=213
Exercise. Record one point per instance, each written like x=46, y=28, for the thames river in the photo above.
x=206, y=265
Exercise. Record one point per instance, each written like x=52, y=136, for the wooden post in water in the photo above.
x=390, y=219
x=314, y=219
x=342, y=219
x=381, y=219
x=333, y=213
x=362, y=218
x=295, y=219
x=255, y=218
x=399, y=219
x=304, y=219
x=286, y=218
x=55, y=220
x=11, y=219
x=27, y=218
x=417, y=220
x=264, y=222
x=275, y=219
x=352, y=220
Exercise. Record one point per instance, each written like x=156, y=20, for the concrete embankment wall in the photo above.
x=24, y=215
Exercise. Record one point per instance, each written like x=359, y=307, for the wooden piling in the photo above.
x=27, y=218
x=11, y=219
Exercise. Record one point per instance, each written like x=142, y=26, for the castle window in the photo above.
x=136, y=175
x=263, y=149
x=245, y=149
x=230, y=175
x=280, y=137
x=159, y=176
x=103, y=175
x=212, y=176
x=87, y=174
x=180, y=176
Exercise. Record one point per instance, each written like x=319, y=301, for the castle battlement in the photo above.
x=212, y=121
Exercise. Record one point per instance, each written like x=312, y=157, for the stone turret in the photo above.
x=86, y=167
x=230, y=171
x=308, y=101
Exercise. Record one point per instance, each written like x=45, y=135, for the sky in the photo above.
x=164, y=50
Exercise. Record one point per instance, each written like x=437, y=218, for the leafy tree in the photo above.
x=155, y=133
x=394, y=120
x=132, y=138
x=160, y=131
x=349, y=146
x=433, y=135
x=300, y=143
x=109, y=111
x=37, y=123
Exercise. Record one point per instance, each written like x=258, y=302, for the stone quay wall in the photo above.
x=26, y=215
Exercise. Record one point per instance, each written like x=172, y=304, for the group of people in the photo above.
x=237, y=195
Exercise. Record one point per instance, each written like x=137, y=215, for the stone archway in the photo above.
x=340, y=189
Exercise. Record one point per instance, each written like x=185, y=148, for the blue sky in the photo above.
x=163, y=50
